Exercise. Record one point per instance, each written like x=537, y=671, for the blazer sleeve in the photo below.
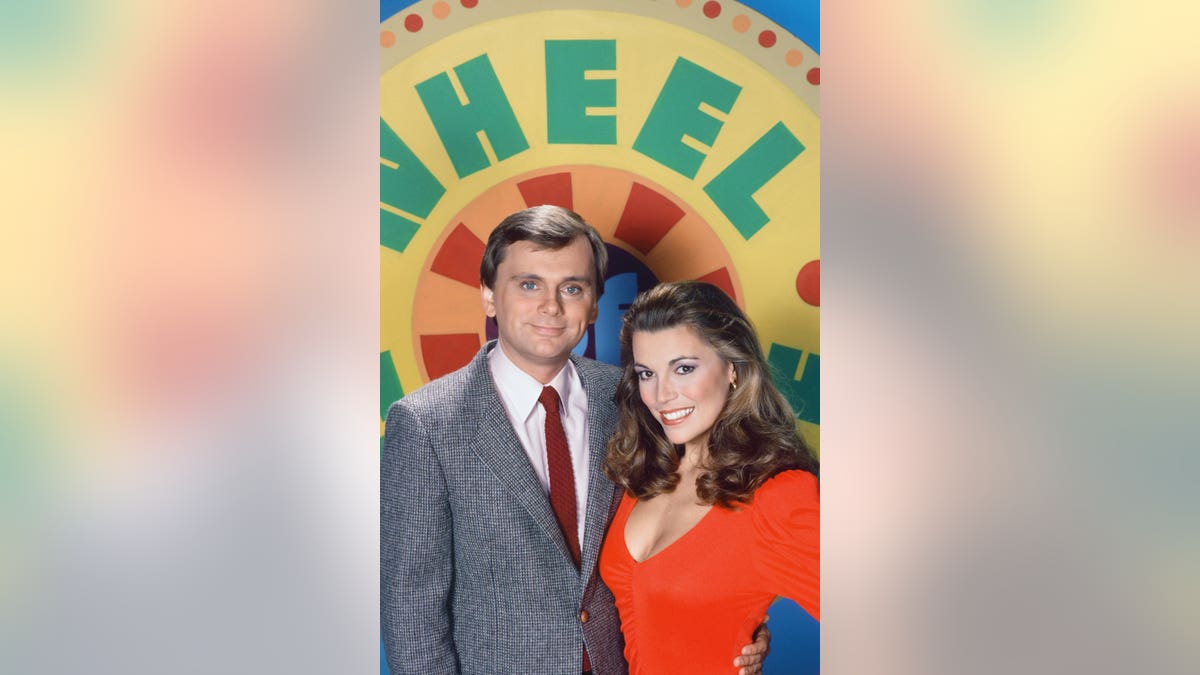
x=786, y=516
x=416, y=551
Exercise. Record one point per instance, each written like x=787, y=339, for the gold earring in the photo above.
x=733, y=386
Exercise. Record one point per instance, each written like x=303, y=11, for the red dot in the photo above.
x=767, y=38
x=469, y=3
x=712, y=9
x=814, y=76
x=413, y=23
x=808, y=283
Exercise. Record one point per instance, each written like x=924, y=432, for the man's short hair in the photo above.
x=548, y=227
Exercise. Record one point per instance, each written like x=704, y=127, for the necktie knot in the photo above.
x=549, y=399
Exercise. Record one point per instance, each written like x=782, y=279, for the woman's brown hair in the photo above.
x=753, y=438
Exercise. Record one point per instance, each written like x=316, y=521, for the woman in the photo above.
x=721, y=511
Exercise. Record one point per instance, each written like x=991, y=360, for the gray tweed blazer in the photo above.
x=475, y=576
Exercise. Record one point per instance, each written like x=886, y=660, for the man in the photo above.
x=493, y=502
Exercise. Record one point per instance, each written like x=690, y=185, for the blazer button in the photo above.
x=583, y=616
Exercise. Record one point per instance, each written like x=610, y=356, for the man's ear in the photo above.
x=487, y=296
x=594, y=314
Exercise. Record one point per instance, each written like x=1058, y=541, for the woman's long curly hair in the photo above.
x=753, y=438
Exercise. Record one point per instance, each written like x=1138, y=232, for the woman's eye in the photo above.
x=685, y=369
x=644, y=375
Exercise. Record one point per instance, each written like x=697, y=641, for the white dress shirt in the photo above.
x=519, y=392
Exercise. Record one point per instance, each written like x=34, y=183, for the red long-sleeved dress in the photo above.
x=691, y=607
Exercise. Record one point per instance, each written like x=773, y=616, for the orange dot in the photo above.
x=794, y=57
x=441, y=10
x=387, y=38
x=683, y=3
x=808, y=283
x=741, y=23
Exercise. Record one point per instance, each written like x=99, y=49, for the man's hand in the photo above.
x=753, y=654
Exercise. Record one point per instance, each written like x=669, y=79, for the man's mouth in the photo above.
x=547, y=330
x=675, y=416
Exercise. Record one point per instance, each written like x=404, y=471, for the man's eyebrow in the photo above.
x=522, y=276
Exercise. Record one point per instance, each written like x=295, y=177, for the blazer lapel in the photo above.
x=498, y=446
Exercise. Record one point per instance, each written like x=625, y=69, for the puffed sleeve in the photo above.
x=786, y=516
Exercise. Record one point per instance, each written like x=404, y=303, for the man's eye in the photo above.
x=528, y=286
x=573, y=290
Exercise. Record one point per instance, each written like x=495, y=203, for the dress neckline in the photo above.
x=659, y=552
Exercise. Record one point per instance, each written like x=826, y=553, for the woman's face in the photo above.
x=683, y=382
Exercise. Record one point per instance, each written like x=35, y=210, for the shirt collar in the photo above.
x=522, y=390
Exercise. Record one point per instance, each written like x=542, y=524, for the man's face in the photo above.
x=543, y=301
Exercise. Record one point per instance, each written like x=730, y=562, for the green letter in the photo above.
x=677, y=112
x=410, y=187
x=733, y=189
x=487, y=110
x=804, y=394
x=568, y=94
x=390, y=390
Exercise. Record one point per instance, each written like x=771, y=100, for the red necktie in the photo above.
x=562, y=476
x=562, y=481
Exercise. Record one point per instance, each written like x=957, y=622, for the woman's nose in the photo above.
x=664, y=390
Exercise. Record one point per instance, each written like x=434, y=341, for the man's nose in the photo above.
x=551, y=303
